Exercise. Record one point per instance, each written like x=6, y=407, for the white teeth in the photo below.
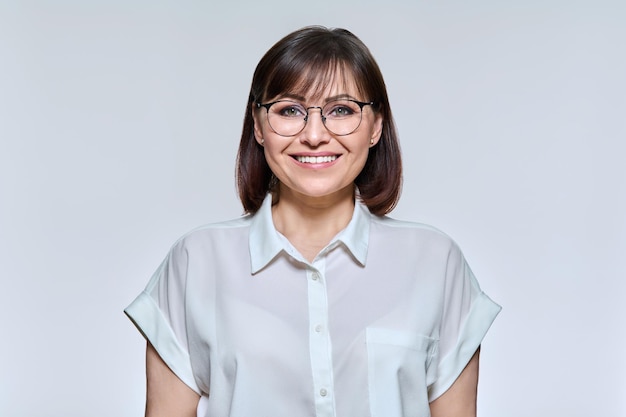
x=315, y=159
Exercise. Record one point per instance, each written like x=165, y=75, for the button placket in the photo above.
x=319, y=341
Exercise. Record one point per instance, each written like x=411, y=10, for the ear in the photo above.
x=258, y=132
x=377, y=130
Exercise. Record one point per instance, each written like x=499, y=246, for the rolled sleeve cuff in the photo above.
x=481, y=315
x=151, y=322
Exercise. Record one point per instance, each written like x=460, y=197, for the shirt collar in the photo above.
x=265, y=242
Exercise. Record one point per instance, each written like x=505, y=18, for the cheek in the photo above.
x=359, y=159
x=273, y=153
x=363, y=149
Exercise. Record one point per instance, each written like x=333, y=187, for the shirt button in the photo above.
x=315, y=276
x=323, y=392
x=318, y=328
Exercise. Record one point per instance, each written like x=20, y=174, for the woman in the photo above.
x=314, y=303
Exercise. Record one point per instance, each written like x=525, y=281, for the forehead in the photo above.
x=318, y=83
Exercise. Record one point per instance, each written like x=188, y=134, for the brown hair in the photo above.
x=304, y=61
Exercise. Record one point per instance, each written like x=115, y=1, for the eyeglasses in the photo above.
x=288, y=118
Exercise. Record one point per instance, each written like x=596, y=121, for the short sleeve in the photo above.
x=159, y=314
x=466, y=317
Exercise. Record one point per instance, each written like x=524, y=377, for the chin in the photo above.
x=321, y=192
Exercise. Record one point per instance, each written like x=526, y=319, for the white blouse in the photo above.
x=381, y=323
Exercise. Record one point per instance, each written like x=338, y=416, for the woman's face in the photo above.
x=316, y=162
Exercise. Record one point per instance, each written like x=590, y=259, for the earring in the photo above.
x=371, y=141
x=262, y=141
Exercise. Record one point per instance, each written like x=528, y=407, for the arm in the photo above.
x=167, y=396
x=460, y=399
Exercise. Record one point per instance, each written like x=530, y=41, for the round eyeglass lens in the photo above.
x=287, y=118
x=342, y=117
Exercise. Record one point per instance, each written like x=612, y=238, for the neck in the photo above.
x=309, y=223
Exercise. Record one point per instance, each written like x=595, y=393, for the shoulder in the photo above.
x=224, y=233
x=390, y=222
x=413, y=242
x=407, y=231
x=209, y=244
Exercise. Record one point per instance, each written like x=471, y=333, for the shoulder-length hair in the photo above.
x=306, y=61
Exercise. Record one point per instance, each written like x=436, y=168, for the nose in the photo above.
x=315, y=132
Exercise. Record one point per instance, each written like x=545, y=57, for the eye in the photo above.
x=341, y=109
x=288, y=109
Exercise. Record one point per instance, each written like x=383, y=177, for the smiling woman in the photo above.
x=315, y=64
x=315, y=303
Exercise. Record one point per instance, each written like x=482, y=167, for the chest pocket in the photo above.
x=399, y=372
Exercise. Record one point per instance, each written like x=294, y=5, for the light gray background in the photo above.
x=119, y=123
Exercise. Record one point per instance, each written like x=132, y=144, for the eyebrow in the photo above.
x=340, y=97
x=302, y=99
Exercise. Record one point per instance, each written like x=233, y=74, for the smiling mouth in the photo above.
x=315, y=159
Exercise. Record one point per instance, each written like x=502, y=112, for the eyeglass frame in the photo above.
x=267, y=106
